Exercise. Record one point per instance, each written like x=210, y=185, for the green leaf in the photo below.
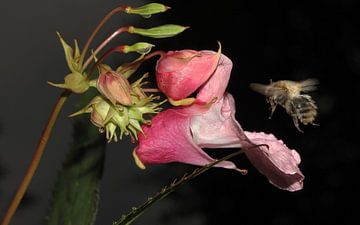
x=164, y=31
x=76, y=192
x=138, y=211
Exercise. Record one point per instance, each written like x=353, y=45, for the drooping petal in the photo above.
x=168, y=139
x=278, y=163
x=217, y=128
x=180, y=73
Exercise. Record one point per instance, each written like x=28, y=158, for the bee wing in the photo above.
x=267, y=90
x=309, y=84
x=260, y=88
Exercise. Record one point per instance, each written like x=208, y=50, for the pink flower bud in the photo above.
x=180, y=73
x=115, y=87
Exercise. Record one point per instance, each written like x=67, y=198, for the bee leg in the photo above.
x=272, y=107
x=296, y=123
x=315, y=124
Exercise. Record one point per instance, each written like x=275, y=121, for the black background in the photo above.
x=266, y=40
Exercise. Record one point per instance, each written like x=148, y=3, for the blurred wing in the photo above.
x=267, y=90
x=309, y=84
x=260, y=88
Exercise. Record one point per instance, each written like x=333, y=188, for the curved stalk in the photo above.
x=103, y=44
x=98, y=27
x=35, y=160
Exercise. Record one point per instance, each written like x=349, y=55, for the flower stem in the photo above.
x=151, y=90
x=98, y=27
x=102, y=45
x=99, y=60
x=35, y=160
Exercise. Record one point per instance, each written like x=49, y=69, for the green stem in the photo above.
x=35, y=160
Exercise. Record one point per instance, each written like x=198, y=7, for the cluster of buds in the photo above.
x=121, y=105
x=118, y=104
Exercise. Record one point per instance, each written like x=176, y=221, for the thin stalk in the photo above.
x=102, y=45
x=36, y=159
x=151, y=90
x=98, y=27
x=150, y=55
x=99, y=60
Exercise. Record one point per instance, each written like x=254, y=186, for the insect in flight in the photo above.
x=288, y=94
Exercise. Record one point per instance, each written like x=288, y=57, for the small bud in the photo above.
x=140, y=47
x=164, y=31
x=121, y=119
x=74, y=82
x=100, y=113
x=147, y=10
x=115, y=87
x=111, y=132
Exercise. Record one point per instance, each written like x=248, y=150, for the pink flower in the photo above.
x=179, y=133
x=114, y=87
x=180, y=73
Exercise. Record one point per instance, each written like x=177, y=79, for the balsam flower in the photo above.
x=181, y=73
x=179, y=133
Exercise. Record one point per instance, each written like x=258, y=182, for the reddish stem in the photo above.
x=98, y=27
x=102, y=45
x=35, y=160
x=151, y=90
x=110, y=51
x=148, y=56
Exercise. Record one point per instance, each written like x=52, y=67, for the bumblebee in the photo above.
x=288, y=94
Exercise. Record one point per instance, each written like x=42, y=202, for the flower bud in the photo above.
x=147, y=10
x=164, y=31
x=140, y=47
x=100, y=113
x=115, y=87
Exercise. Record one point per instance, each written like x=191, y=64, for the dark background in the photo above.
x=266, y=40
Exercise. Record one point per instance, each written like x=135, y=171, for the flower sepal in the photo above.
x=74, y=82
x=72, y=56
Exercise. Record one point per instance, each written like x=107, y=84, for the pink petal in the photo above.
x=216, y=85
x=217, y=128
x=180, y=73
x=278, y=163
x=168, y=139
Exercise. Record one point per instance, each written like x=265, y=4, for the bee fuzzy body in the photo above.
x=287, y=94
